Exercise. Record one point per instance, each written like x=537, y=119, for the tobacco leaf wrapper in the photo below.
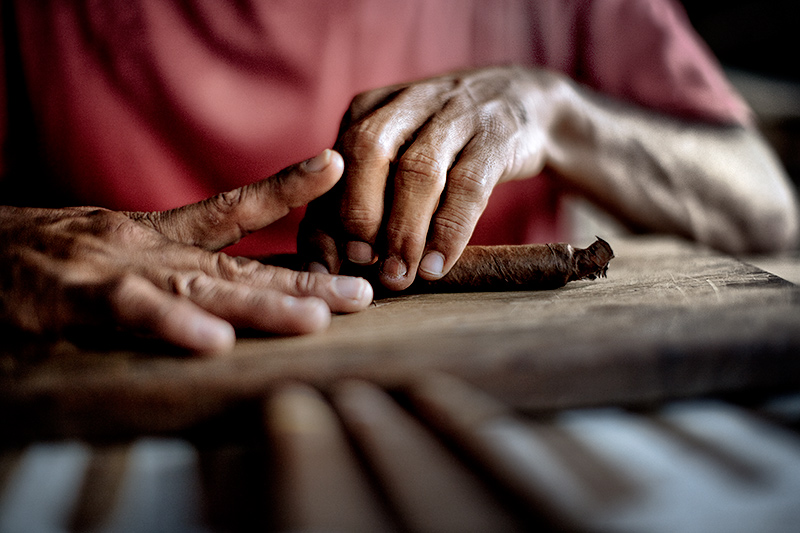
x=521, y=267
x=508, y=268
x=495, y=268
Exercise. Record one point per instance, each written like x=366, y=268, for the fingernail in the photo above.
x=432, y=264
x=318, y=268
x=350, y=288
x=359, y=252
x=394, y=268
x=212, y=334
x=318, y=163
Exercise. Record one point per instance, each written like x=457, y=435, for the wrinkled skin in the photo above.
x=158, y=273
x=422, y=160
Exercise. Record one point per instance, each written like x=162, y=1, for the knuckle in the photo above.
x=222, y=205
x=89, y=234
x=360, y=105
x=154, y=220
x=104, y=223
x=454, y=226
x=427, y=90
x=189, y=284
x=361, y=220
x=233, y=267
x=360, y=216
x=369, y=101
x=71, y=247
x=470, y=185
x=127, y=234
x=456, y=221
x=304, y=282
x=406, y=235
x=417, y=170
x=518, y=113
x=99, y=233
x=98, y=218
x=497, y=122
x=366, y=140
x=77, y=247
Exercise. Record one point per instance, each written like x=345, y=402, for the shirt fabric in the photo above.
x=153, y=104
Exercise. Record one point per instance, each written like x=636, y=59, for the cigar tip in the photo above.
x=592, y=261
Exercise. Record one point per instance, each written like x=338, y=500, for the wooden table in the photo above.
x=672, y=326
x=671, y=320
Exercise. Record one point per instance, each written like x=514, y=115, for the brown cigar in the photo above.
x=507, y=268
x=521, y=267
x=498, y=268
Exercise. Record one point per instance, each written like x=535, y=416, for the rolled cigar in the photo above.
x=521, y=267
x=497, y=268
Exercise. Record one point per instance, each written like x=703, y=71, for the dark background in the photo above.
x=761, y=36
x=758, y=41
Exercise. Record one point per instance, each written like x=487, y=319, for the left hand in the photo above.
x=159, y=273
x=421, y=160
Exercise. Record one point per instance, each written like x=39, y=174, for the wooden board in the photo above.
x=671, y=320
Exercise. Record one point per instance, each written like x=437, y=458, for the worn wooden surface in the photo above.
x=671, y=320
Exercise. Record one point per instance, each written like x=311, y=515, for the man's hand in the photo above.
x=421, y=161
x=423, y=158
x=159, y=273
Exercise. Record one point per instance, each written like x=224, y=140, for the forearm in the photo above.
x=720, y=185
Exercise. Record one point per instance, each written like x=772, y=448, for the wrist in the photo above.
x=571, y=129
x=548, y=111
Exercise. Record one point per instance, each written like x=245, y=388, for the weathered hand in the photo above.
x=421, y=162
x=158, y=273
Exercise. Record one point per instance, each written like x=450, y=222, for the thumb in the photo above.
x=223, y=219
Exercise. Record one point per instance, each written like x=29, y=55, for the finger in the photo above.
x=369, y=147
x=418, y=184
x=245, y=306
x=469, y=186
x=316, y=242
x=419, y=181
x=139, y=305
x=227, y=217
x=168, y=263
x=342, y=294
x=367, y=102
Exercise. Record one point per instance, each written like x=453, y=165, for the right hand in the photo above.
x=422, y=160
x=160, y=273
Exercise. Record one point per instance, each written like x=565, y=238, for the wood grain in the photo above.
x=671, y=320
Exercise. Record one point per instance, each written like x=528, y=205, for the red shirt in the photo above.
x=152, y=104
